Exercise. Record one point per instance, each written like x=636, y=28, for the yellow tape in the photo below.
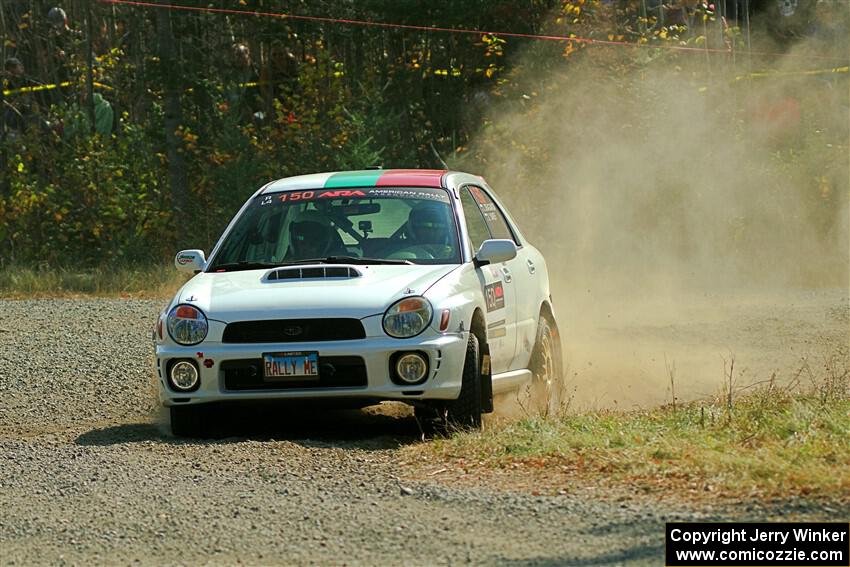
x=765, y=74
x=107, y=87
x=754, y=75
x=35, y=89
x=49, y=87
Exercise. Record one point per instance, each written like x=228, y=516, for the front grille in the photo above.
x=294, y=331
x=334, y=372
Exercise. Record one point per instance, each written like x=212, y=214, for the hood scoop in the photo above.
x=313, y=272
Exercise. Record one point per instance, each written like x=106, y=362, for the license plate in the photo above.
x=282, y=365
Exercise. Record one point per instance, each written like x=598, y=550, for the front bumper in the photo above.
x=217, y=361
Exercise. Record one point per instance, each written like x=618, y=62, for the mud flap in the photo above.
x=486, y=380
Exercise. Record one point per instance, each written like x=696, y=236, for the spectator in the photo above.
x=62, y=42
x=14, y=68
x=18, y=109
x=241, y=93
x=58, y=19
x=59, y=26
x=77, y=121
x=278, y=75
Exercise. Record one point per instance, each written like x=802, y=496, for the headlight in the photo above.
x=187, y=325
x=407, y=317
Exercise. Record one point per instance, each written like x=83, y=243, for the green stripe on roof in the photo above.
x=366, y=178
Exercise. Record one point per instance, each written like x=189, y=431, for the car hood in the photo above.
x=249, y=295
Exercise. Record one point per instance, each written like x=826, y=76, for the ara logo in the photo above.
x=267, y=200
x=342, y=193
x=184, y=259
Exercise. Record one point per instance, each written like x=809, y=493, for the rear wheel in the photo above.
x=547, y=379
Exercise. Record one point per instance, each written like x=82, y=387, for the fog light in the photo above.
x=184, y=376
x=411, y=367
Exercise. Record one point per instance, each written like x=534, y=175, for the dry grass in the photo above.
x=154, y=281
x=771, y=441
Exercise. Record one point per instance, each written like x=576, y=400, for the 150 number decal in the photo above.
x=366, y=193
x=308, y=195
x=305, y=195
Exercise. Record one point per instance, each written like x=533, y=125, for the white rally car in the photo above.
x=407, y=285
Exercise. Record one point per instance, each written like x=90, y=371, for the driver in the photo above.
x=428, y=230
x=428, y=224
x=311, y=235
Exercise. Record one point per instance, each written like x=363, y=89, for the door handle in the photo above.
x=531, y=267
x=508, y=277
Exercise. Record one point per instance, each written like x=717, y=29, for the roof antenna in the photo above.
x=436, y=153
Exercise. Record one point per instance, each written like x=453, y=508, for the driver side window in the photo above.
x=475, y=224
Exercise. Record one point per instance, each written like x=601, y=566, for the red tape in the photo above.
x=584, y=40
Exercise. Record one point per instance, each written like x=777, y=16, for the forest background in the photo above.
x=209, y=105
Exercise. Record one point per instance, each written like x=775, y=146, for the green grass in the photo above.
x=108, y=281
x=770, y=443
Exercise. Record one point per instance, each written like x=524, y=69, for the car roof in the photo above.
x=361, y=178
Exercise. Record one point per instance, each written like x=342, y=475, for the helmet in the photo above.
x=57, y=18
x=428, y=223
x=311, y=235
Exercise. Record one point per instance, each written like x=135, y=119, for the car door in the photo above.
x=496, y=283
x=524, y=278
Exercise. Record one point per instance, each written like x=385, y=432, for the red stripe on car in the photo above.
x=411, y=178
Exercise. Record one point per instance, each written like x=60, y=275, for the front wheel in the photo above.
x=188, y=421
x=465, y=411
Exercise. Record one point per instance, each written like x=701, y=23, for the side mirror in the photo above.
x=191, y=261
x=495, y=251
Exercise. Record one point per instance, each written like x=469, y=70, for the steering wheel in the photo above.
x=412, y=253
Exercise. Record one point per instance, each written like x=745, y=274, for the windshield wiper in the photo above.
x=350, y=260
x=244, y=265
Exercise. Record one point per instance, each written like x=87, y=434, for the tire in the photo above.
x=464, y=412
x=188, y=421
x=547, y=380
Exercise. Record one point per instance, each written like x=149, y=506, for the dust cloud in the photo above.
x=692, y=207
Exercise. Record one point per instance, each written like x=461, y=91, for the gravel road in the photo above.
x=88, y=474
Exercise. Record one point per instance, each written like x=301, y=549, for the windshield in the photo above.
x=391, y=225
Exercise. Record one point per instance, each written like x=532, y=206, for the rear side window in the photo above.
x=475, y=224
x=492, y=215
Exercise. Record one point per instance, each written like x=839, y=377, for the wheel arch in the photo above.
x=478, y=326
x=548, y=313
